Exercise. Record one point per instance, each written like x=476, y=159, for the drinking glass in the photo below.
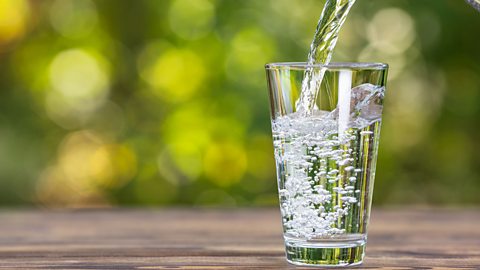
x=326, y=157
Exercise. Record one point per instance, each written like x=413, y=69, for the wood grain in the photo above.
x=222, y=239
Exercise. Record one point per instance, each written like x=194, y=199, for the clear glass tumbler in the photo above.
x=326, y=158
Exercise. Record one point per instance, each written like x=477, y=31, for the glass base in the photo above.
x=325, y=254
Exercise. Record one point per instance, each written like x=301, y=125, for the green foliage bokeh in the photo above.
x=165, y=103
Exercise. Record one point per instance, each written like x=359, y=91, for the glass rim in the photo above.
x=331, y=66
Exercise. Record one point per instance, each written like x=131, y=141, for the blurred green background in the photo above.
x=164, y=102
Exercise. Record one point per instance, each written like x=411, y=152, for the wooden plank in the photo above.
x=222, y=239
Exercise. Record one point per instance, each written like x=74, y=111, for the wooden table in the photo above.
x=222, y=239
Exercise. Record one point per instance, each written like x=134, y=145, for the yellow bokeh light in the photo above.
x=13, y=19
x=79, y=76
x=75, y=155
x=73, y=18
x=391, y=31
x=176, y=75
x=53, y=190
x=68, y=182
x=86, y=167
x=191, y=19
x=113, y=165
x=80, y=83
x=225, y=163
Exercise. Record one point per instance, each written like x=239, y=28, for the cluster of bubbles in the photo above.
x=313, y=192
x=320, y=168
